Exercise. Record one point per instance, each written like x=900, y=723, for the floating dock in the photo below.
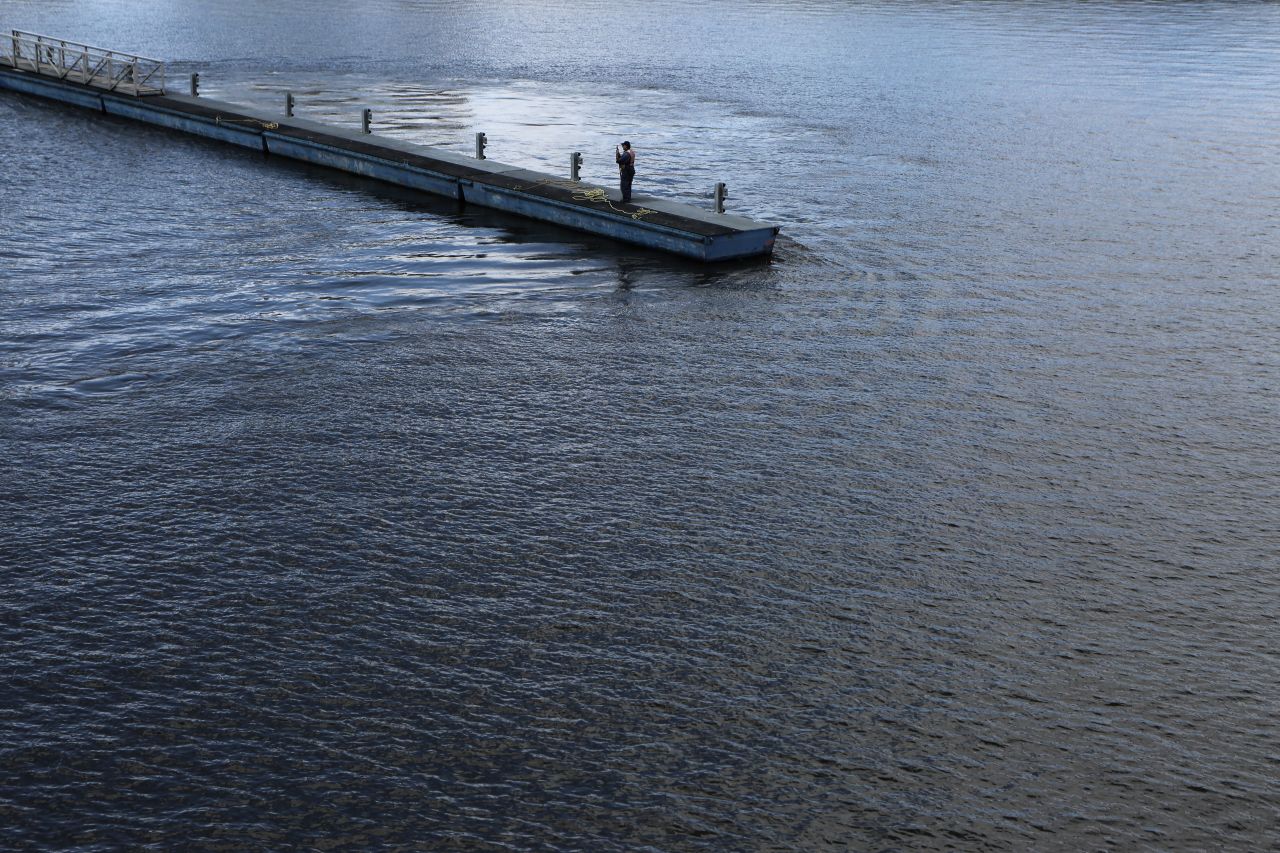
x=133, y=87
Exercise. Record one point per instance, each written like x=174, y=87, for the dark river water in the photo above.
x=339, y=519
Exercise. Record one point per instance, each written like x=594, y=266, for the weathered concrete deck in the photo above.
x=665, y=225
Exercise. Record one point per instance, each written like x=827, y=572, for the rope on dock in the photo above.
x=595, y=195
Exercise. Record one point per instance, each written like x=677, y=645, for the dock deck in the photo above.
x=656, y=223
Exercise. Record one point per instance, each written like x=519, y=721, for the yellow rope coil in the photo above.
x=599, y=196
x=595, y=195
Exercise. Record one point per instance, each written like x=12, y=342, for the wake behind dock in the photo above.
x=134, y=88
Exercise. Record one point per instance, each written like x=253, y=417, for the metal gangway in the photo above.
x=82, y=63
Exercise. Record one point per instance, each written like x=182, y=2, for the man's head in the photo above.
x=626, y=146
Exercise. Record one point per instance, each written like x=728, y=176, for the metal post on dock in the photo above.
x=68, y=70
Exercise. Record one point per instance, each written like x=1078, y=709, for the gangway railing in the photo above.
x=83, y=63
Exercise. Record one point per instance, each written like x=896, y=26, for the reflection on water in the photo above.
x=531, y=124
x=336, y=516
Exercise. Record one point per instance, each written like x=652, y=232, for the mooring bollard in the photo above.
x=195, y=85
x=366, y=117
x=575, y=166
x=481, y=142
x=721, y=194
x=288, y=104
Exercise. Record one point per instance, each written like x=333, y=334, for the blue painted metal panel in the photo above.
x=362, y=164
x=51, y=89
x=741, y=244
x=583, y=219
x=661, y=235
x=139, y=109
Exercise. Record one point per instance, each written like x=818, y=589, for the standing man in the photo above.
x=626, y=159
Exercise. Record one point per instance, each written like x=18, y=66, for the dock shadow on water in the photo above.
x=306, y=245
